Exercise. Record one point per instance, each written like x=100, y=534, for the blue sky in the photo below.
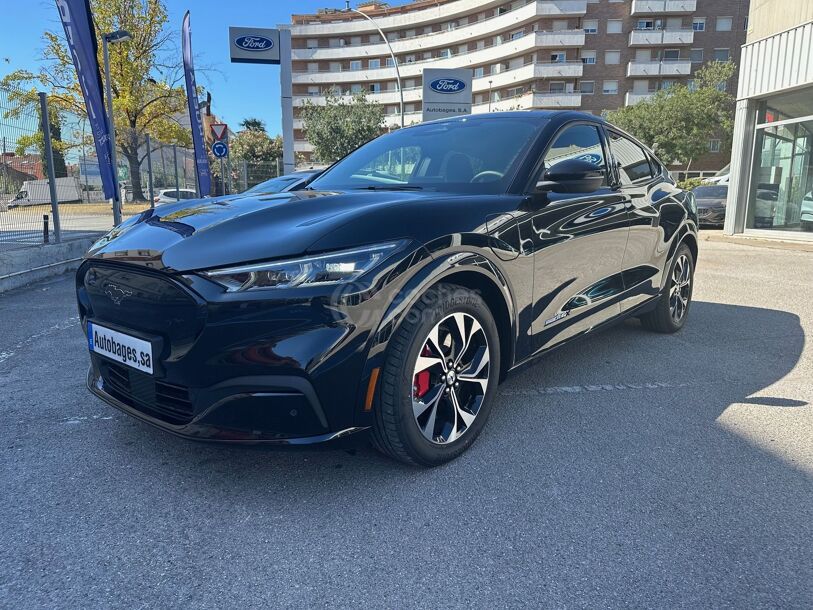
x=238, y=90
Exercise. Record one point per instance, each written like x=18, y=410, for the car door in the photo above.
x=649, y=201
x=578, y=241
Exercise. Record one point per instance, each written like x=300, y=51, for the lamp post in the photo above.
x=489, y=96
x=113, y=38
x=392, y=54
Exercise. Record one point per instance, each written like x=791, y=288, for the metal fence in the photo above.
x=150, y=173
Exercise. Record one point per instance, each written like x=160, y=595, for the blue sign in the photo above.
x=81, y=36
x=447, y=85
x=220, y=150
x=254, y=44
x=590, y=158
x=201, y=158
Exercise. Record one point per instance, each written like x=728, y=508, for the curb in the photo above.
x=19, y=268
x=759, y=242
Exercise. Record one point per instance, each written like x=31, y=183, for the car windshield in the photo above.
x=711, y=192
x=460, y=156
x=275, y=185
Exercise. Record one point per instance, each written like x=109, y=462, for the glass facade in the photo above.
x=781, y=181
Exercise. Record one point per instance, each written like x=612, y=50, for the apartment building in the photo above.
x=590, y=55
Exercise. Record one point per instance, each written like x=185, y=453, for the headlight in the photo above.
x=333, y=268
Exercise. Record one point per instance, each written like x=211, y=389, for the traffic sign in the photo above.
x=220, y=150
x=220, y=131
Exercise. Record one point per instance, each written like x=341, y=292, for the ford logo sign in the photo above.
x=447, y=85
x=254, y=43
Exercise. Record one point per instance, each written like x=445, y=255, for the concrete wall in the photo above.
x=768, y=17
x=21, y=267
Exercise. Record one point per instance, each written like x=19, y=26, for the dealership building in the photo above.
x=770, y=191
x=590, y=55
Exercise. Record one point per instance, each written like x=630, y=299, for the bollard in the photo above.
x=45, y=238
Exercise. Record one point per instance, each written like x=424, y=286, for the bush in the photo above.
x=689, y=183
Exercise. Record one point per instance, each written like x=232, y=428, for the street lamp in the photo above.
x=489, y=96
x=392, y=54
x=113, y=38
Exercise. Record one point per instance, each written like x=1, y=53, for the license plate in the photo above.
x=131, y=351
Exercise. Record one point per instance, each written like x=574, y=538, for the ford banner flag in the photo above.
x=201, y=158
x=80, y=34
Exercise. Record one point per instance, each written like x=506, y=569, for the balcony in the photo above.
x=528, y=72
x=531, y=100
x=436, y=40
x=663, y=7
x=654, y=38
x=408, y=18
x=680, y=67
x=633, y=98
x=493, y=54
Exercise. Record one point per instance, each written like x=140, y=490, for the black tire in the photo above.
x=663, y=318
x=397, y=431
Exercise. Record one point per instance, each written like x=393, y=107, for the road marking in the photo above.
x=602, y=387
x=80, y=419
x=8, y=353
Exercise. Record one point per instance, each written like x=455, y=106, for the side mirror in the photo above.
x=571, y=176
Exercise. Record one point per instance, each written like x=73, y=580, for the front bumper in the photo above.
x=253, y=415
x=239, y=368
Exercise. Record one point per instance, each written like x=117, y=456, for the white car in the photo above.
x=806, y=212
x=173, y=195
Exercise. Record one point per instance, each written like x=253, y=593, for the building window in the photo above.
x=714, y=145
x=355, y=65
x=696, y=55
x=691, y=85
x=314, y=67
x=445, y=53
x=479, y=72
x=724, y=24
x=745, y=23
x=312, y=43
x=518, y=34
x=590, y=26
x=410, y=59
x=558, y=58
x=587, y=87
x=722, y=54
x=374, y=64
x=612, y=57
x=671, y=55
x=313, y=90
x=375, y=87
x=610, y=87
x=389, y=62
x=699, y=24
x=645, y=24
x=557, y=86
x=614, y=26
x=355, y=88
x=588, y=57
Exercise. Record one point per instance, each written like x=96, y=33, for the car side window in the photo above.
x=631, y=160
x=581, y=142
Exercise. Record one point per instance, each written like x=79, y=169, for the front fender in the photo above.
x=443, y=266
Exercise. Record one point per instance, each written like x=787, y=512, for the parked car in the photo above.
x=294, y=181
x=806, y=212
x=173, y=195
x=394, y=293
x=711, y=203
x=765, y=206
x=721, y=177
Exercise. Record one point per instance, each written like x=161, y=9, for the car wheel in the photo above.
x=670, y=314
x=439, y=378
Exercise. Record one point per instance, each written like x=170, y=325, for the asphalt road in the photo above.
x=632, y=469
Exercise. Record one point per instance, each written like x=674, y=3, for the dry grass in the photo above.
x=101, y=208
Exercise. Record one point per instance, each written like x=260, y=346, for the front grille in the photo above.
x=170, y=403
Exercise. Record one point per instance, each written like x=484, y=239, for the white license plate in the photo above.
x=135, y=353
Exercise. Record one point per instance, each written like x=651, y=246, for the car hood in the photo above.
x=216, y=232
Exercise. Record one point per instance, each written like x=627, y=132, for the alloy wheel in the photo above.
x=450, y=378
x=680, y=290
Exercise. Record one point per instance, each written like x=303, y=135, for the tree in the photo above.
x=146, y=75
x=677, y=122
x=341, y=125
x=253, y=124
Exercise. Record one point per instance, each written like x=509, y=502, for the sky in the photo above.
x=238, y=90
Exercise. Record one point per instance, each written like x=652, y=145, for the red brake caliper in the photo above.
x=420, y=385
